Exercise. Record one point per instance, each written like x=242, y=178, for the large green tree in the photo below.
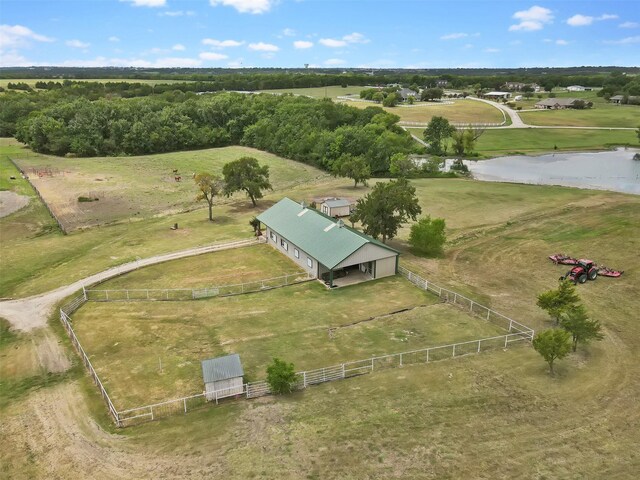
x=576, y=321
x=438, y=130
x=354, y=167
x=558, y=301
x=386, y=208
x=246, y=174
x=553, y=344
x=427, y=236
x=209, y=187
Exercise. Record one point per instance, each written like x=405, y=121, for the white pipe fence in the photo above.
x=517, y=332
x=176, y=294
x=455, y=124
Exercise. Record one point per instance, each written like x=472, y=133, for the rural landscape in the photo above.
x=327, y=270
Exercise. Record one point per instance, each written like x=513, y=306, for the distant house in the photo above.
x=336, y=207
x=620, y=99
x=578, y=88
x=324, y=247
x=405, y=93
x=514, y=86
x=557, y=103
x=223, y=377
x=442, y=83
x=497, y=95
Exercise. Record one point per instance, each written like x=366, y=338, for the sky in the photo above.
x=321, y=33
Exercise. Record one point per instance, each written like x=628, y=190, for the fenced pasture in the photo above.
x=461, y=111
x=143, y=186
x=601, y=115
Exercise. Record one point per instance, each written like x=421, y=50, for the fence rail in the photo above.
x=404, y=123
x=177, y=294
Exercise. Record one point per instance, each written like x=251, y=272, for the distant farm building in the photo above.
x=405, y=93
x=625, y=99
x=336, y=207
x=223, y=377
x=578, y=88
x=495, y=95
x=325, y=247
x=557, y=103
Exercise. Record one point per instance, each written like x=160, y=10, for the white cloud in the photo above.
x=178, y=47
x=302, y=44
x=212, y=56
x=533, y=19
x=12, y=36
x=624, y=41
x=454, y=36
x=354, y=37
x=175, y=62
x=334, y=62
x=263, y=47
x=146, y=3
x=289, y=32
x=177, y=13
x=629, y=25
x=332, y=42
x=491, y=50
x=579, y=20
x=561, y=42
x=76, y=44
x=221, y=43
x=13, y=59
x=114, y=39
x=246, y=6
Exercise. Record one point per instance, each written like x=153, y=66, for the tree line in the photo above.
x=317, y=132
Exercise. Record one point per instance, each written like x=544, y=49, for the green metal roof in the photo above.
x=317, y=234
x=222, y=368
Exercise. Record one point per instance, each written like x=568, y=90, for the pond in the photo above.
x=614, y=170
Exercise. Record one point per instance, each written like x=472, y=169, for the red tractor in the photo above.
x=584, y=270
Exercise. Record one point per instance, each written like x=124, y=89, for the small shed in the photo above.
x=336, y=207
x=223, y=377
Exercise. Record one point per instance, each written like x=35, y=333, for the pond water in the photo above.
x=614, y=170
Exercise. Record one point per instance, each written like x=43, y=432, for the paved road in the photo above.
x=32, y=312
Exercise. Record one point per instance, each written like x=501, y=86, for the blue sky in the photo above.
x=322, y=33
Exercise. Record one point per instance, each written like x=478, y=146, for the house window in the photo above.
x=296, y=253
x=284, y=244
x=273, y=236
x=325, y=209
x=309, y=262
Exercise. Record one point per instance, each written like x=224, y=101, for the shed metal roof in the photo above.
x=337, y=202
x=222, y=368
x=316, y=233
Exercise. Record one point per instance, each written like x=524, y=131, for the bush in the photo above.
x=84, y=199
x=281, y=376
x=427, y=236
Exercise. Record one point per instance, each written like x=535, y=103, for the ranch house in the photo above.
x=223, y=377
x=326, y=248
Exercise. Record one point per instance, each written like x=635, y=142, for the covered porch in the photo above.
x=349, y=275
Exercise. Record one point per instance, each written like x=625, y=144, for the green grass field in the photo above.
x=495, y=415
x=601, y=115
x=333, y=91
x=498, y=142
x=130, y=188
x=127, y=341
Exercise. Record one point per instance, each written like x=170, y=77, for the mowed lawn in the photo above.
x=128, y=341
x=333, y=91
x=463, y=111
x=143, y=186
x=498, y=142
x=601, y=115
x=227, y=267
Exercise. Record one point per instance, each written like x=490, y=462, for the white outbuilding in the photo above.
x=223, y=377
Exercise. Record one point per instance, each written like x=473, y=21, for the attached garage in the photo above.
x=326, y=248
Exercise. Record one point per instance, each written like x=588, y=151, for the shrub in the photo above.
x=281, y=376
x=84, y=199
x=427, y=236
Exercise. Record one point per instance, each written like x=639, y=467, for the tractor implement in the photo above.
x=607, y=272
x=562, y=259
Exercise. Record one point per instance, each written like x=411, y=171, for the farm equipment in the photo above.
x=583, y=269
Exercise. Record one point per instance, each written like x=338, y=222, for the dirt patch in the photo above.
x=50, y=354
x=11, y=202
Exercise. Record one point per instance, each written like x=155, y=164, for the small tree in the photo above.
x=556, y=302
x=391, y=100
x=401, y=165
x=552, y=344
x=255, y=224
x=575, y=320
x=427, y=236
x=437, y=131
x=377, y=97
x=210, y=186
x=281, y=376
x=246, y=174
x=354, y=167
